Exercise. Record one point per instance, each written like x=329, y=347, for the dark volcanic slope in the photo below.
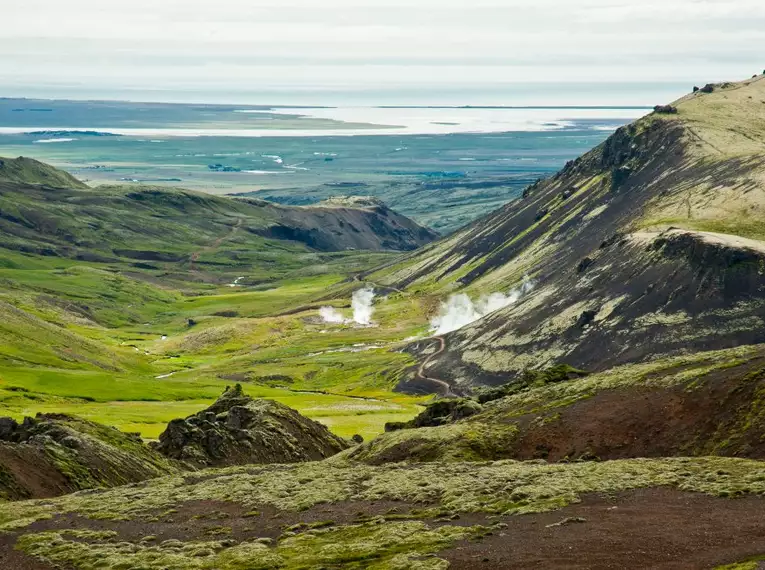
x=649, y=244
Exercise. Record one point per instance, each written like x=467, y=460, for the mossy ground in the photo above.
x=396, y=540
x=498, y=427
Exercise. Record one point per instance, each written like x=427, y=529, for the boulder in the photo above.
x=665, y=110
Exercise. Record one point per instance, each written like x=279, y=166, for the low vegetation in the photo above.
x=716, y=400
x=423, y=516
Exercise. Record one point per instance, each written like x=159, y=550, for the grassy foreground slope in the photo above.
x=135, y=306
x=650, y=244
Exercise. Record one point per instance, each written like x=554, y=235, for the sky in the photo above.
x=490, y=52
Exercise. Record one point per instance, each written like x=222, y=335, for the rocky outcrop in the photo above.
x=54, y=454
x=529, y=380
x=665, y=110
x=440, y=412
x=238, y=430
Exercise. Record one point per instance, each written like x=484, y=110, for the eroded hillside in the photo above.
x=109, y=224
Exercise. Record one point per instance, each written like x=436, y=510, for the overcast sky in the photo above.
x=377, y=51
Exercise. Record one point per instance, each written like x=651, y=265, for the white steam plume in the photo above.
x=459, y=310
x=331, y=315
x=361, y=302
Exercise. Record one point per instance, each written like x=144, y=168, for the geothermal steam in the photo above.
x=361, y=303
x=331, y=315
x=459, y=310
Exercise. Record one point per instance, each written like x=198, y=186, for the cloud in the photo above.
x=268, y=46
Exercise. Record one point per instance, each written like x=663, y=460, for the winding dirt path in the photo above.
x=447, y=390
x=215, y=244
x=387, y=288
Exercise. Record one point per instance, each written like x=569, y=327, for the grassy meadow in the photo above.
x=128, y=349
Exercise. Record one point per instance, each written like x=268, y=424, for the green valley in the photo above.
x=110, y=315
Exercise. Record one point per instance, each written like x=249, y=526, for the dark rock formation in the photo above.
x=531, y=379
x=238, y=430
x=584, y=265
x=619, y=176
x=440, y=412
x=665, y=110
x=55, y=454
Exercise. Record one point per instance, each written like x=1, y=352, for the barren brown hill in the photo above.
x=709, y=403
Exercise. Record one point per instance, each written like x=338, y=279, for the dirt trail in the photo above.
x=447, y=389
x=215, y=244
x=443, y=387
x=386, y=288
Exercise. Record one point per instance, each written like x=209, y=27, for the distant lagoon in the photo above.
x=423, y=159
x=389, y=121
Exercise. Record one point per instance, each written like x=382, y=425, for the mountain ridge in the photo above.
x=603, y=221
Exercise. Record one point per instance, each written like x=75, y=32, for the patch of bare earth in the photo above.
x=12, y=559
x=206, y=520
x=644, y=421
x=647, y=528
